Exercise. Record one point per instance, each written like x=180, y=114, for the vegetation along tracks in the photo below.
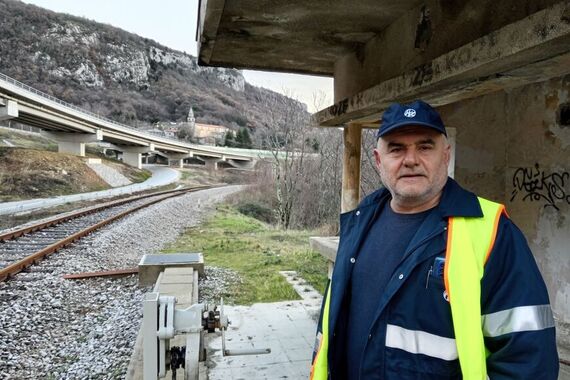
x=23, y=247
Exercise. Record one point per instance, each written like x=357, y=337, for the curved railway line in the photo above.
x=20, y=248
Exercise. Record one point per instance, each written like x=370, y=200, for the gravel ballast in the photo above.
x=53, y=328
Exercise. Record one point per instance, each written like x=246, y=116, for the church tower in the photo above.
x=190, y=119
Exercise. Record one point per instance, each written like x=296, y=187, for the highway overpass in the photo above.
x=73, y=127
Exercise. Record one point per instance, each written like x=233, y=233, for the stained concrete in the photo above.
x=512, y=148
x=287, y=328
x=297, y=36
x=151, y=266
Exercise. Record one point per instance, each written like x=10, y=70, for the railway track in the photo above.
x=23, y=247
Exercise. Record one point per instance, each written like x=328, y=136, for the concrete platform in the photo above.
x=287, y=328
x=151, y=266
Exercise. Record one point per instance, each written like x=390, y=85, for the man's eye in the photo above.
x=425, y=147
x=395, y=150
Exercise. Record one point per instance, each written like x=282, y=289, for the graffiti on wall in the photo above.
x=534, y=184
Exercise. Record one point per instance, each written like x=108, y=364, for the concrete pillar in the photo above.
x=73, y=143
x=8, y=109
x=76, y=148
x=177, y=159
x=211, y=163
x=176, y=162
x=133, y=159
x=350, y=196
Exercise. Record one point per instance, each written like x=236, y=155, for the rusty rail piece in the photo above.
x=20, y=265
x=107, y=273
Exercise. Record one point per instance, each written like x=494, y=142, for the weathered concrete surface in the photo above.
x=532, y=49
x=288, y=328
x=296, y=36
x=512, y=147
x=425, y=32
x=151, y=265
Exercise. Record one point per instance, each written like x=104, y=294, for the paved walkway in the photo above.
x=287, y=328
x=161, y=175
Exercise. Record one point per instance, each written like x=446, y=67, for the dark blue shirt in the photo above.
x=378, y=257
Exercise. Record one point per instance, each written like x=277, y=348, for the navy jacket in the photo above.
x=412, y=335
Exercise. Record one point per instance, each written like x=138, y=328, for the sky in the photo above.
x=173, y=23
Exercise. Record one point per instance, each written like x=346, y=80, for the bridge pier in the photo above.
x=8, y=109
x=132, y=155
x=73, y=143
x=133, y=159
x=177, y=159
x=211, y=163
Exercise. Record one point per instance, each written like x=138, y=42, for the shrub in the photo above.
x=257, y=211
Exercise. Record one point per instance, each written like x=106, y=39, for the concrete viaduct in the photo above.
x=73, y=127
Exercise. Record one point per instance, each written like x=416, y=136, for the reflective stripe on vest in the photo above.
x=469, y=243
x=319, y=370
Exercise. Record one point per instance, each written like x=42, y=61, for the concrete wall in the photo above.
x=513, y=147
x=430, y=30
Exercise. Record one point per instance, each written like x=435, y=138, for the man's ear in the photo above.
x=447, y=152
x=377, y=158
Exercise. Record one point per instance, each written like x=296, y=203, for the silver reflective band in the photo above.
x=421, y=342
x=517, y=319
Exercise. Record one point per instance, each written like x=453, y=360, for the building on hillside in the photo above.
x=498, y=72
x=209, y=133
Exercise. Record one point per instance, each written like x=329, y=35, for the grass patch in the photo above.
x=26, y=140
x=257, y=252
x=140, y=175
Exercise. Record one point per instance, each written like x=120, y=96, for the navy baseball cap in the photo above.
x=416, y=113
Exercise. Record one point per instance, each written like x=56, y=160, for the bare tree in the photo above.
x=285, y=138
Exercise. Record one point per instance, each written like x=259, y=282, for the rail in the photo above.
x=20, y=264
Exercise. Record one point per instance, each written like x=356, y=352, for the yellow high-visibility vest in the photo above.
x=469, y=243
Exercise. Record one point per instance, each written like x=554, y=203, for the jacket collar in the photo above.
x=455, y=201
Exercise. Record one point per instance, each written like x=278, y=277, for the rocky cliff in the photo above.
x=120, y=75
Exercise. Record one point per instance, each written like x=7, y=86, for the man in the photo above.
x=430, y=281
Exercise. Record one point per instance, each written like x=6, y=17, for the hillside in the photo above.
x=30, y=168
x=128, y=78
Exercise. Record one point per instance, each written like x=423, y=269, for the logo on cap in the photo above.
x=410, y=112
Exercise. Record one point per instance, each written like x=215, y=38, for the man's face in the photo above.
x=413, y=166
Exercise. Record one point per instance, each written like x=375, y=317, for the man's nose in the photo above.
x=411, y=158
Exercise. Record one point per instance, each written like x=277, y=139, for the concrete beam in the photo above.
x=134, y=149
x=8, y=110
x=73, y=143
x=74, y=137
x=533, y=49
x=39, y=116
x=239, y=164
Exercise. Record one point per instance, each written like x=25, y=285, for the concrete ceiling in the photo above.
x=301, y=36
x=381, y=51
